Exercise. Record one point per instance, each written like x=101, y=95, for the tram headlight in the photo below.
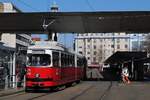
x=37, y=75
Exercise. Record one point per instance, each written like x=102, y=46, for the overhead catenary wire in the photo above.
x=27, y=5
x=89, y=5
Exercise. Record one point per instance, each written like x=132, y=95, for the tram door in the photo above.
x=56, y=64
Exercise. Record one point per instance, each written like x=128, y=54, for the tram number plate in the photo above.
x=38, y=52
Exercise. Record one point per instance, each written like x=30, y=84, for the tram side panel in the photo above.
x=80, y=68
x=42, y=77
x=67, y=67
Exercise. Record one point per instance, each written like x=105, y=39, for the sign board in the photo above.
x=38, y=52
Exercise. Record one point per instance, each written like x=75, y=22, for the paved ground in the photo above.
x=90, y=90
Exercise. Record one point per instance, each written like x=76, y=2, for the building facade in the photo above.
x=97, y=47
x=138, y=42
x=19, y=42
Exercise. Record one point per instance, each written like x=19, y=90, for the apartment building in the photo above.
x=97, y=47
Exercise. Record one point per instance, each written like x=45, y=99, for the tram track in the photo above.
x=12, y=95
x=83, y=92
x=36, y=97
x=105, y=93
x=102, y=97
x=8, y=97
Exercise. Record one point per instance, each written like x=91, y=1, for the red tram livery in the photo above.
x=50, y=64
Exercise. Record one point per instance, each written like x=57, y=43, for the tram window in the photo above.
x=62, y=60
x=70, y=61
x=55, y=59
x=62, y=57
x=80, y=62
x=38, y=60
x=73, y=60
x=67, y=60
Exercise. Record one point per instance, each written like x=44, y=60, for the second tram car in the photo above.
x=50, y=64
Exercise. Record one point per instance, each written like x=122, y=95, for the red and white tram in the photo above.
x=49, y=65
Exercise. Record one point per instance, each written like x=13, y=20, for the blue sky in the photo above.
x=78, y=6
x=81, y=5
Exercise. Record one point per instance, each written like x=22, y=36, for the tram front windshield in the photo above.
x=38, y=60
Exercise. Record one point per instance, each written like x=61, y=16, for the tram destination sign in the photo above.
x=38, y=52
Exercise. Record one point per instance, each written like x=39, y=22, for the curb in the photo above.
x=11, y=93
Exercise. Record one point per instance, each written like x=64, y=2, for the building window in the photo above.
x=95, y=52
x=94, y=46
x=112, y=46
x=113, y=40
x=88, y=46
x=101, y=46
x=88, y=52
x=88, y=58
x=80, y=52
x=80, y=46
x=94, y=59
x=118, y=40
x=118, y=46
x=126, y=40
x=88, y=40
x=126, y=46
x=100, y=40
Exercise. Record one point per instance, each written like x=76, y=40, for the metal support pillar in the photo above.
x=50, y=36
x=55, y=36
x=14, y=71
x=132, y=69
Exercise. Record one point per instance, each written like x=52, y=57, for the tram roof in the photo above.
x=78, y=22
x=125, y=56
x=47, y=45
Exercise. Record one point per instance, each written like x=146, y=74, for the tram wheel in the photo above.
x=78, y=81
x=27, y=89
x=69, y=84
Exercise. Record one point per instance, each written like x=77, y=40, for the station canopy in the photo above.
x=76, y=22
x=126, y=56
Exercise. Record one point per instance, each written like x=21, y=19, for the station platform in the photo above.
x=10, y=91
